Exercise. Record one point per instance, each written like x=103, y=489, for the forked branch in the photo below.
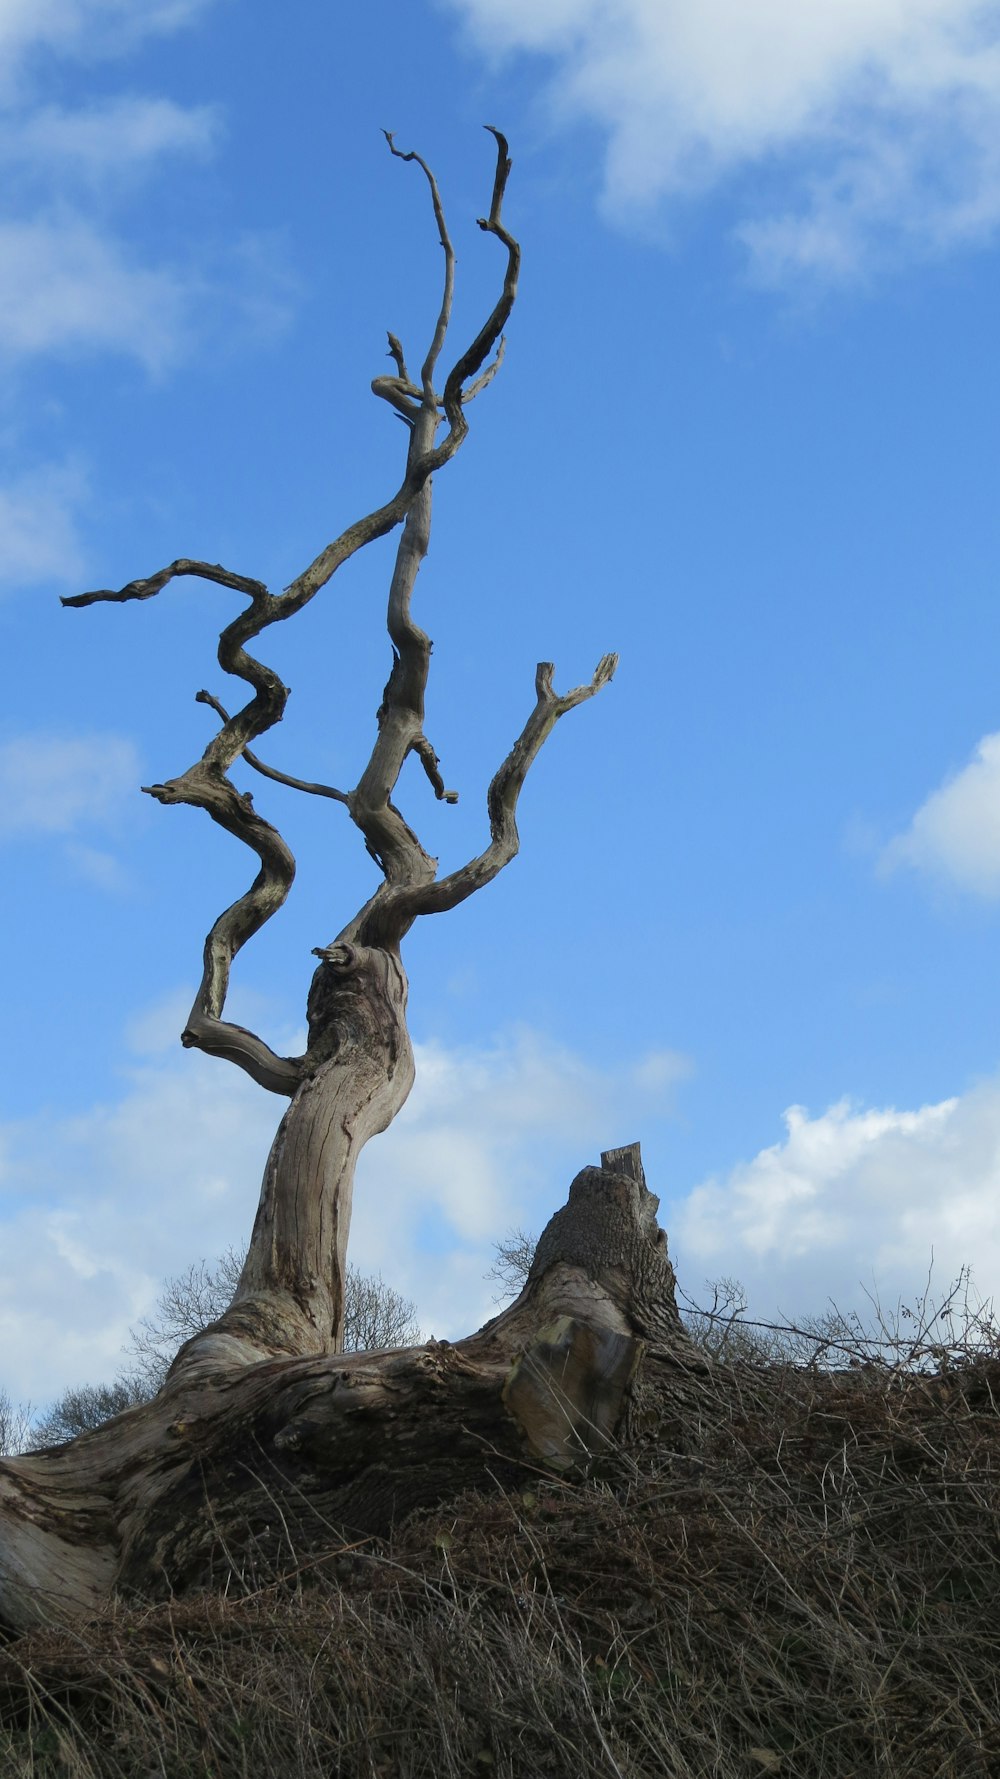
x=501, y=801
x=424, y=463
x=206, y=784
x=444, y=314
x=272, y=772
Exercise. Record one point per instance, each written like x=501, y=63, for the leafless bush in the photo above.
x=79, y=1410
x=186, y=1305
x=15, y=1426
x=375, y=1314
x=512, y=1263
x=928, y=1333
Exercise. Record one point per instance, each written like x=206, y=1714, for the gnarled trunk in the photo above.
x=247, y=1463
x=290, y=1297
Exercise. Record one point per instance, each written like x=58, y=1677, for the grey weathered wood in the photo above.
x=237, y=1463
x=624, y=1161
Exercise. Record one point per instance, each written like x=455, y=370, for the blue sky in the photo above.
x=745, y=435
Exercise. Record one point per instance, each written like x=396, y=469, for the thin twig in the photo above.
x=295, y=784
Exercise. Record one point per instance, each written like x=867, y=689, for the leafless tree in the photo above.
x=84, y=1407
x=375, y=1315
x=15, y=1425
x=513, y=1255
x=265, y=1430
x=357, y=1068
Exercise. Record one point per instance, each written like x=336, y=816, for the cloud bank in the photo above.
x=850, y=1200
x=846, y=129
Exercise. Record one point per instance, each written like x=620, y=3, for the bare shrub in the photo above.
x=374, y=1316
x=15, y=1426
x=82, y=1409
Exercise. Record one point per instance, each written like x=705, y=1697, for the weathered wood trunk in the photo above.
x=290, y=1298
x=256, y=1464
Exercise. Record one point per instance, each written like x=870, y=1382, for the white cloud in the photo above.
x=97, y=1209
x=72, y=281
x=38, y=527
x=881, y=118
x=86, y=28
x=65, y=284
x=852, y=1199
x=955, y=834
x=115, y=140
x=56, y=784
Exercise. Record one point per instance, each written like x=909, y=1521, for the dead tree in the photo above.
x=262, y=1420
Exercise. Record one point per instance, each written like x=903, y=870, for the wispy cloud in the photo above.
x=111, y=142
x=870, y=126
x=96, y=1209
x=85, y=28
x=74, y=276
x=66, y=284
x=38, y=526
x=955, y=834
x=58, y=784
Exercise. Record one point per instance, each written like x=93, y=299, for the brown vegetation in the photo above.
x=801, y=1580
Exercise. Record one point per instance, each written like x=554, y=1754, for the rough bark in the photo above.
x=241, y=1466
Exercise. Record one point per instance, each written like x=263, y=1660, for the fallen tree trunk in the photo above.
x=245, y=1467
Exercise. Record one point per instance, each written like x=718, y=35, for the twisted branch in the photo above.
x=401, y=715
x=402, y=908
x=286, y=778
x=444, y=314
x=421, y=465
x=205, y=785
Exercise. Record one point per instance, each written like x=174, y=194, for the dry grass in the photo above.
x=809, y=1589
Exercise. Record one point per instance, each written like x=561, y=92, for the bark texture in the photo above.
x=245, y=1464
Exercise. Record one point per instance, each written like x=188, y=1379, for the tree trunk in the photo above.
x=247, y=1463
x=290, y=1298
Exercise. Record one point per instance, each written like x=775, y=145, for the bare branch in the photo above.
x=205, y=785
x=444, y=314
x=389, y=389
x=400, y=391
x=483, y=382
x=295, y=784
x=396, y=352
x=147, y=589
x=430, y=763
x=389, y=838
x=501, y=800
x=218, y=1037
x=424, y=464
x=472, y=360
